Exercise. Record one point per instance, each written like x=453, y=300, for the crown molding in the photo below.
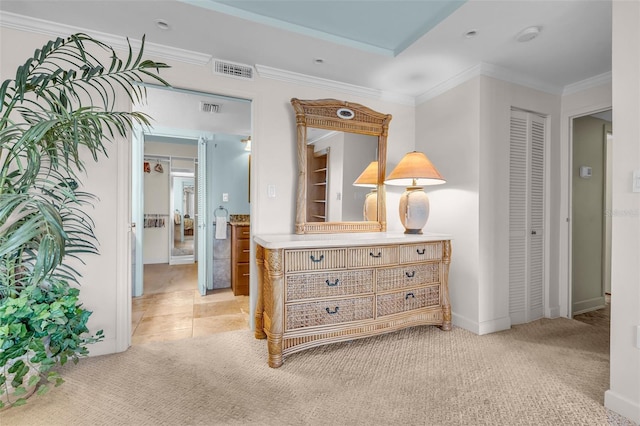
x=488, y=70
x=322, y=83
x=449, y=84
x=588, y=83
x=53, y=29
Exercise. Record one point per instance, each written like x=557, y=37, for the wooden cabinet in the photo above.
x=240, y=247
x=314, y=290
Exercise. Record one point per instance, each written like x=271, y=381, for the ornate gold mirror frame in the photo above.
x=340, y=116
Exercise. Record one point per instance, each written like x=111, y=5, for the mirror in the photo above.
x=183, y=193
x=336, y=142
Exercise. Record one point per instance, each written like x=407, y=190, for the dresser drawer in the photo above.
x=315, y=260
x=328, y=312
x=408, y=300
x=243, y=248
x=372, y=256
x=327, y=284
x=407, y=276
x=420, y=252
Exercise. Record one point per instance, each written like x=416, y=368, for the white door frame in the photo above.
x=566, y=182
x=124, y=223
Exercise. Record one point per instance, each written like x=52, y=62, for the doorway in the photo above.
x=177, y=296
x=591, y=145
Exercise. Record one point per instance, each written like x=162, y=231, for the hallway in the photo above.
x=172, y=308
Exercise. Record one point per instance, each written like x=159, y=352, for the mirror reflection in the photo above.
x=335, y=160
x=183, y=194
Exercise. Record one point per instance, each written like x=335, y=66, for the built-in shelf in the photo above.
x=317, y=163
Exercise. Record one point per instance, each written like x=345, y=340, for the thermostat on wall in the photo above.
x=585, y=171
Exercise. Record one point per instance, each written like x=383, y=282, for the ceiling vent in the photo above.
x=232, y=69
x=209, y=107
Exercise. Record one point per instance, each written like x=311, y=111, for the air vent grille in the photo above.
x=231, y=69
x=209, y=107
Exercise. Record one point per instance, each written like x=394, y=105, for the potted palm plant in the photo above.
x=58, y=110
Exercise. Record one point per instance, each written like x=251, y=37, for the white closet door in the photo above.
x=526, y=216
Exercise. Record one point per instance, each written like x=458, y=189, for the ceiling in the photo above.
x=402, y=47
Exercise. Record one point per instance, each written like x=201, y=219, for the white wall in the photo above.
x=447, y=132
x=465, y=133
x=359, y=151
x=334, y=142
x=623, y=395
x=496, y=100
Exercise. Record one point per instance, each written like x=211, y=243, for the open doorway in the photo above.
x=181, y=279
x=592, y=140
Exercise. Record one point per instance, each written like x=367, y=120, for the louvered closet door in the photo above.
x=526, y=217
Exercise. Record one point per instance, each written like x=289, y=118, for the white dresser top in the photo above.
x=278, y=241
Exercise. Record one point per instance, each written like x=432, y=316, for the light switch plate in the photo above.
x=225, y=197
x=271, y=191
x=636, y=181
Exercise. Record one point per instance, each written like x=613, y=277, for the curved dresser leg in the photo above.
x=446, y=318
x=446, y=305
x=259, y=330
x=274, y=345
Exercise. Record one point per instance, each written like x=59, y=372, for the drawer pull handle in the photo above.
x=246, y=251
x=421, y=252
x=330, y=284
x=409, y=294
x=410, y=275
x=313, y=259
x=335, y=311
x=375, y=255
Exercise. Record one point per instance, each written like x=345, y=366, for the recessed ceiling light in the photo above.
x=318, y=61
x=471, y=33
x=162, y=24
x=528, y=34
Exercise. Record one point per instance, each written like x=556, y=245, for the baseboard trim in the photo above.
x=492, y=326
x=588, y=305
x=622, y=405
x=466, y=323
x=154, y=261
x=553, y=312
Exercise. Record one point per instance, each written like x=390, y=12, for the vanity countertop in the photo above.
x=239, y=220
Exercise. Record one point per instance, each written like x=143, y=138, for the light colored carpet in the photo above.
x=549, y=372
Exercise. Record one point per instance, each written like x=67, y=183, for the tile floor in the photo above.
x=173, y=309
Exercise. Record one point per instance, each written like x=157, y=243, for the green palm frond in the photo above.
x=58, y=111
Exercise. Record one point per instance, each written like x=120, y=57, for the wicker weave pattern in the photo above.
x=372, y=256
x=315, y=260
x=327, y=284
x=328, y=312
x=408, y=276
x=402, y=301
x=421, y=252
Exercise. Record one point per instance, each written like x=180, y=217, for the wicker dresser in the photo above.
x=319, y=289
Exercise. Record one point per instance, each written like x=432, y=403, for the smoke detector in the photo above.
x=528, y=34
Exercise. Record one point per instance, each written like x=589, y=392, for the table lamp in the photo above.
x=414, y=171
x=369, y=178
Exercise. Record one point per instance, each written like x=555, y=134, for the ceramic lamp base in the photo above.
x=414, y=210
x=371, y=206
